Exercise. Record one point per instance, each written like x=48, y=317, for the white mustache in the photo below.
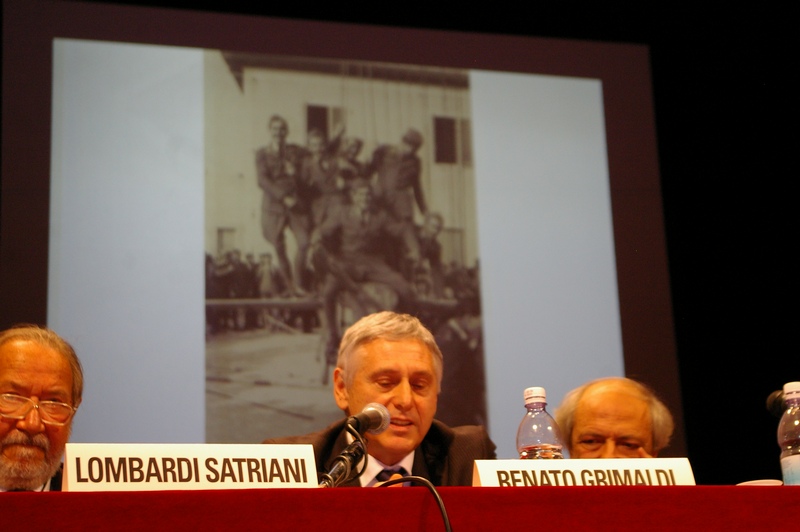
x=20, y=438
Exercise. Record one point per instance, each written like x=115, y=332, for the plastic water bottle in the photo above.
x=789, y=435
x=538, y=436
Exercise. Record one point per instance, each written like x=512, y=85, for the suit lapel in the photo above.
x=433, y=454
x=55, y=482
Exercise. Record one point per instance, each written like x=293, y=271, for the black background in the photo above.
x=724, y=117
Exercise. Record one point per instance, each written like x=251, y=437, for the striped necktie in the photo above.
x=386, y=474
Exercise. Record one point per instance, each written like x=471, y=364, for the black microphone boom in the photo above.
x=344, y=465
x=374, y=418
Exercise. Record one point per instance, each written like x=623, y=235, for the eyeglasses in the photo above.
x=51, y=412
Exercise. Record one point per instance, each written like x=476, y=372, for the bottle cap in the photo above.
x=535, y=394
x=791, y=390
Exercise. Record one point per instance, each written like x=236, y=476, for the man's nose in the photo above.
x=31, y=423
x=402, y=395
x=609, y=449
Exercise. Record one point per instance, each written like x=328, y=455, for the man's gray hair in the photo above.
x=660, y=416
x=386, y=325
x=48, y=338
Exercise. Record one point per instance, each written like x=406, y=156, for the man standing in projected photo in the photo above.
x=285, y=202
x=397, y=172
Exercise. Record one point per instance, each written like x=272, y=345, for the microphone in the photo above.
x=343, y=465
x=374, y=418
x=776, y=403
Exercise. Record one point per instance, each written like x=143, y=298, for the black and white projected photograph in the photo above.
x=333, y=189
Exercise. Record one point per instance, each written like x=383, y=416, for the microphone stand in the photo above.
x=347, y=460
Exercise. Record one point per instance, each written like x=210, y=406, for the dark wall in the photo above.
x=722, y=108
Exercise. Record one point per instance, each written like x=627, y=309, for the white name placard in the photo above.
x=584, y=472
x=161, y=466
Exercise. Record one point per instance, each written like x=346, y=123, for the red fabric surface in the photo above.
x=651, y=508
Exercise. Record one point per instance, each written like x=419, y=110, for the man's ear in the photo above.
x=340, y=390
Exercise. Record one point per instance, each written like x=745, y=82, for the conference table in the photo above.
x=651, y=508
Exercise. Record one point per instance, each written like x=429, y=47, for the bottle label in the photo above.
x=790, y=466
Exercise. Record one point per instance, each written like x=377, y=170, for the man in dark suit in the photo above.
x=392, y=359
x=41, y=383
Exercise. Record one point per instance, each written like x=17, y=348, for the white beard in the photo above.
x=31, y=472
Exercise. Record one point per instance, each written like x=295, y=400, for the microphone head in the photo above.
x=379, y=417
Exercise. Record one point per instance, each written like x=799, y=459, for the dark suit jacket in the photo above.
x=55, y=482
x=445, y=456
